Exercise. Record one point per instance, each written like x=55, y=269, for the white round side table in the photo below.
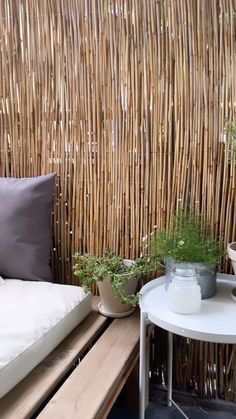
x=215, y=322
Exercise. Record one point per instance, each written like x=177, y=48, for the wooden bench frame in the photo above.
x=89, y=389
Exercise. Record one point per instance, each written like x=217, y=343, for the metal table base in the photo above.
x=144, y=324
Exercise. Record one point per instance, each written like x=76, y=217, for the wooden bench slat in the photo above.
x=114, y=392
x=24, y=399
x=92, y=387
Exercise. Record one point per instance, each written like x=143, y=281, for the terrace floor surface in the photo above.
x=194, y=408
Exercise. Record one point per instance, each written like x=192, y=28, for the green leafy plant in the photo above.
x=187, y=239
x=230, y=130
x=91, y=269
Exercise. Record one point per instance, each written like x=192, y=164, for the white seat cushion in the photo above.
x=34, y=318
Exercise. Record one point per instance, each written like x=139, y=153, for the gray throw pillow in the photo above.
x=25, y=227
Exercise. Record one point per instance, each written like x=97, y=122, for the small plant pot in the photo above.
x=231, y=249
x=110, y=305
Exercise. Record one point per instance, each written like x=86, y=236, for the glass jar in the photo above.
x=184, y=293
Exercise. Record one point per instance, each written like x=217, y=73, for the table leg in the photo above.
x=142, y=365
x=170, y=369
x=170, y=400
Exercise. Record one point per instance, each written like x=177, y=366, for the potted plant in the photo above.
x=231, y=249
x=230, y=129
x=188, y=243
x=116, y=278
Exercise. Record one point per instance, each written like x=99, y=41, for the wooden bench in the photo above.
x=92, y=387
x=24, y=399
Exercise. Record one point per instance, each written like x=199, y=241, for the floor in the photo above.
x=194, y=409
x=163, y=412
x=193, y=412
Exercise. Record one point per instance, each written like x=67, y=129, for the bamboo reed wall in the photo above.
x=126, y=100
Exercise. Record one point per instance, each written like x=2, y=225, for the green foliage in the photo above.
x=91, y=269
x=230, y=129
x=188, y=239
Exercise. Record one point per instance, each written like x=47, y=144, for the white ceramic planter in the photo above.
x=110, y=305
x=231, y=249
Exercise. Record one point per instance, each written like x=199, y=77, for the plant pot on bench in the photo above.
x=116, y=278
x=111, y=305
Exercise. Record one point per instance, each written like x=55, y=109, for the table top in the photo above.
x=215, y=322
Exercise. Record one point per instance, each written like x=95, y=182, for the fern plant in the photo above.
x=187, y=239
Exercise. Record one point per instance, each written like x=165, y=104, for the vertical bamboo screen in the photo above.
x=126, y=100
